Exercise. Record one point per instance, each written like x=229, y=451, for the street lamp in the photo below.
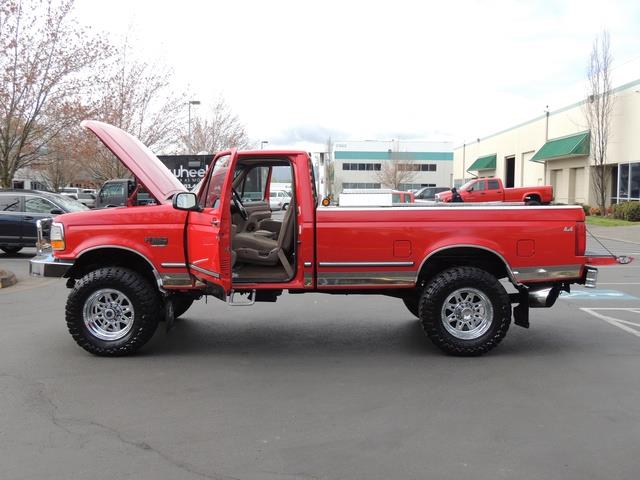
x=263, y=143
x=191, y=102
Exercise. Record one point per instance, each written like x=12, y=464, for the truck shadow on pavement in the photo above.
x=270, y=338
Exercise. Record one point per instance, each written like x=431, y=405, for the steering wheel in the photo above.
x=238, y=203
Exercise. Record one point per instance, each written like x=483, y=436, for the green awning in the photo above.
x=488, y=162
x=565, y=147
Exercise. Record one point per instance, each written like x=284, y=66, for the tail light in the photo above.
x=581, y=239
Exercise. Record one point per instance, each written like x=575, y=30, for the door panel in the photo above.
x=208, y=240
x=10, y=219
x=36, y=208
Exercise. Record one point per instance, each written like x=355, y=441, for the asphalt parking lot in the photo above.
x=323, y=387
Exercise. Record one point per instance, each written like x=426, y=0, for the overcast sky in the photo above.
x=297, y=72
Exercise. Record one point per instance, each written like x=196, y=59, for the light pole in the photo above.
x=191, y=102
x=263, y=143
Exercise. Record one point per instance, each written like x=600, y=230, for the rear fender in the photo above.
x=483, y=249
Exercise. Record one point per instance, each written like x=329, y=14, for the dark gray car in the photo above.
x=21, y=209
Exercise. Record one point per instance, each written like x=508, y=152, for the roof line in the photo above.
x=560, y=110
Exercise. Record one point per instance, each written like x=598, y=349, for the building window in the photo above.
x=362, y=166
x=363, y=185
x=418, y=167
x=414, y=186
x=628, y=182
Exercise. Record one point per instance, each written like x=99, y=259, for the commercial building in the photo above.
x=360, y=164
x=555, y=149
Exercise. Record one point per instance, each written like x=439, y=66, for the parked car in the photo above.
x=279, y=200
x=115, y=193
x=128, y=270
x=429, y=193
x=86, y=196
x=492, y=190
x=21, y=209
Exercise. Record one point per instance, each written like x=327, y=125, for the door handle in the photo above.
x=215, y=222
x=28, y=218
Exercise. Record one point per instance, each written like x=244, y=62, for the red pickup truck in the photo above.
x=492, y=190
x=132, y=266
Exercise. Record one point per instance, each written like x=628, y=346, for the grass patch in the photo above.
x=608, y=222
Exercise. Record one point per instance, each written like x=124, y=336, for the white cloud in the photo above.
x=454, y=69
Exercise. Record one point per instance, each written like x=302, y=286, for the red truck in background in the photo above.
x=492, y=190
x=131, y=267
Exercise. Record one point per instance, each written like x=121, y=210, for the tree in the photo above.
x=598, y=108
x=135, y=96
x=221, y=130
x=394, y=173
x=45, y=58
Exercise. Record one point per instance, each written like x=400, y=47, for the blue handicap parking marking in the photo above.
x=597, y=294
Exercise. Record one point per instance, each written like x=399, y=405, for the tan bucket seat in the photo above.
x=260, y=248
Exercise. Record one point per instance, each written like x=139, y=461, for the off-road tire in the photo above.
x=146, y=301
x=446, y=283
x=11, y=250
x=413, y=304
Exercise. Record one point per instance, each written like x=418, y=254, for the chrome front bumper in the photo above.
x=46, y=265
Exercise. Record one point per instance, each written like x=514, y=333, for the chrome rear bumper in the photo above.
x=46, y=265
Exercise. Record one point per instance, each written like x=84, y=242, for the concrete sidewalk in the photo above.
x=627, y=234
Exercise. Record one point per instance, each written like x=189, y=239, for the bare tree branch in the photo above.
x=135, y=96
x=394, y=173
x=222, y=129
x=598, y=108
x=44, y=62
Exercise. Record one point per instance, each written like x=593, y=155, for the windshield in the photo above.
x=69, y=204
x=466, y=185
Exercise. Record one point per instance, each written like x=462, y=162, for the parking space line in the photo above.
x=616, y=322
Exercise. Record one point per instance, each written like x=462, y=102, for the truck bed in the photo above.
x=389, y=244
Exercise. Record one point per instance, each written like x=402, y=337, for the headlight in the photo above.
x=57, y=236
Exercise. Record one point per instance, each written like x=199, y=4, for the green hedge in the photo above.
x=627, y=211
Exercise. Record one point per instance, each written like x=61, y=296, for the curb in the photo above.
x=7, y=279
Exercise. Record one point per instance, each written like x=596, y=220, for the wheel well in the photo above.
x=532, y=196
x=463, y=256
x=111, y=257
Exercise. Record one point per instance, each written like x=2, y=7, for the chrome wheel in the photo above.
x=108, y=314
x=467, y=313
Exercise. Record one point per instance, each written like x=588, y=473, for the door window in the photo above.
x=479, y=186
x=493, y=185
x=254, y=185
x=38, y=205
x=9, y=203
x=211, y=197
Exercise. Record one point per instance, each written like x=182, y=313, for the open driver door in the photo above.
x=208, y=244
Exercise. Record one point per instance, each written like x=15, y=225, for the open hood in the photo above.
x=147, y=168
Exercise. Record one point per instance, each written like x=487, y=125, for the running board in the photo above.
x=250, y=300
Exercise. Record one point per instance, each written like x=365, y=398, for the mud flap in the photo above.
x=169, y=314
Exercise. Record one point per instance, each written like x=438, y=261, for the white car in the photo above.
x=279, y=200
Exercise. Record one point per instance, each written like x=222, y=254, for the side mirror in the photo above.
x=186, y=201
x=56, y=211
